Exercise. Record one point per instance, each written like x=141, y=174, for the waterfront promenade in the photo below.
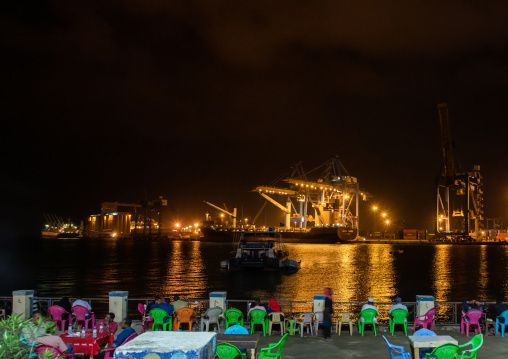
x=368, y=346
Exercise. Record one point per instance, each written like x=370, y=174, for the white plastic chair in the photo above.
x=274, y=318
x=211, y=316
x=305, y=320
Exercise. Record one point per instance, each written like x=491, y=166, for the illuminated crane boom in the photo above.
x=233, y=215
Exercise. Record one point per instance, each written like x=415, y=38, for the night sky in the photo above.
x=204, y=100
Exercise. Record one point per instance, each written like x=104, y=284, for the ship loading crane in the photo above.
x=334, y=196
x=232, y=215
x=459, y=210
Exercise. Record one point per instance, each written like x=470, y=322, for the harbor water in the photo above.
x=92, y=268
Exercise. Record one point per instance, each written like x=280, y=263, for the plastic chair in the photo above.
x=56, y=312
x=345, y=318
x=233, y=316
x=236, y=329
x=475, y=343
x=229, y=351
x=183, y=316
x=158, y=316
x=368, y=316
x=42, y=348
x=398, y=316
x=502, y=325
x=424, y=333
x=274, y=318
x=211, y=316
x=290, y=327
x=110, y=352
x=396, y=351
x=267, y=352
x=427, y=318
x=146, y=319
x=306, y=321
x=258, y=317
x=445, y=351
x=80, y=312
x=474, y=316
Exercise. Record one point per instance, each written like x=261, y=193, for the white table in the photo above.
x=169, y=345
x=417, y=342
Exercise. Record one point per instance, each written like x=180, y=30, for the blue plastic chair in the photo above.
x=502, y=325
x=424, y=333
x=236, y=329
x=396, y=351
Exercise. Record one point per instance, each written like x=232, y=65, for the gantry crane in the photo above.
x=232, y=215
x=459, y=194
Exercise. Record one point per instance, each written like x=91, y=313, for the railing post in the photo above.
x=118, y=304
x=22, y=303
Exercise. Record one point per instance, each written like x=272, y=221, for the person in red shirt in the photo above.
x=109, y=323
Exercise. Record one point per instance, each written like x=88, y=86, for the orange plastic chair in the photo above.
x=183, y=315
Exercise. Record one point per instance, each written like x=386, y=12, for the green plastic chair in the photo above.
x=368, y=316
x=267, y=352
x=158, y=316
x=229, y=351
x=233, y=316
x=476, y=343
x=445, y=351
x=258, y=317
x=398, y=316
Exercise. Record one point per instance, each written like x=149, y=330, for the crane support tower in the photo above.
x=459, y=210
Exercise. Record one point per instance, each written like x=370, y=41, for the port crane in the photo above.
x=232, y=215
x=459, y=210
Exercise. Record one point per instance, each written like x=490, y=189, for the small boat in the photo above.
x=397, y=251
x=260, y=251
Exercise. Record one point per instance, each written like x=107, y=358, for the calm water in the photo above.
x=92, y=268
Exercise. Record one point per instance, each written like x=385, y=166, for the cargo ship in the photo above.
x=323, y=208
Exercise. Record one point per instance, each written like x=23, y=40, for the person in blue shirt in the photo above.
x=473, y=304
x=120, y=339
x=165, y=306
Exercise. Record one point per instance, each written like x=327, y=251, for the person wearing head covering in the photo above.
x=369, y=305
x=65, y=304
x=273, y=306
x=327, y=315
x=398, y=305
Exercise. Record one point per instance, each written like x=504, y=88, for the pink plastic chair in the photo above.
x=474, y=316
x=42, y=348
x=80, y=312
x=56, y=312
x=146, y=319
x=425, y=319
x=110, y=353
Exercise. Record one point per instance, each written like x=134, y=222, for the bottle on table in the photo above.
x=101, y=328
x=83, y=332
x=69, y=329
x=94, y=333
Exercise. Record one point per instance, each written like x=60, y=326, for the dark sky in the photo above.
x=204, y=100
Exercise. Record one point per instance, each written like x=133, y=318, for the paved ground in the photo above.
x=368, y=346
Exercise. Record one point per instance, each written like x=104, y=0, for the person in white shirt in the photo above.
x=81, y=302
x=369, y=305
x=398, y=305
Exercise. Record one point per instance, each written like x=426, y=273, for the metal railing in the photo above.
x=448, y=313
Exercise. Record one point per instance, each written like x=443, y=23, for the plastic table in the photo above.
x=88, y=345
x=417, y=342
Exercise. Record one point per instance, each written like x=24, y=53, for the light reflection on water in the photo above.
x=92, y=268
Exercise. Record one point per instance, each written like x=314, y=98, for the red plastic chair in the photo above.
x=110, y=353
x=474, y=316
x=146, y=319
x=56, y=312
x=425, y=319
x=42, y=348
x=80, y=312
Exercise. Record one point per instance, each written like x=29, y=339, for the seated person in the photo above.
x=500, y=308
x=83, y=303
x=273, y=306
x=165, y=306
x=179, y=304
x=150, y=303
x=258, y=305
x=109, y=323
x=35, y=332
x=65, y=304
x=398, y=305
x=369, y=305
x=473, y=304
x=126, y=332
